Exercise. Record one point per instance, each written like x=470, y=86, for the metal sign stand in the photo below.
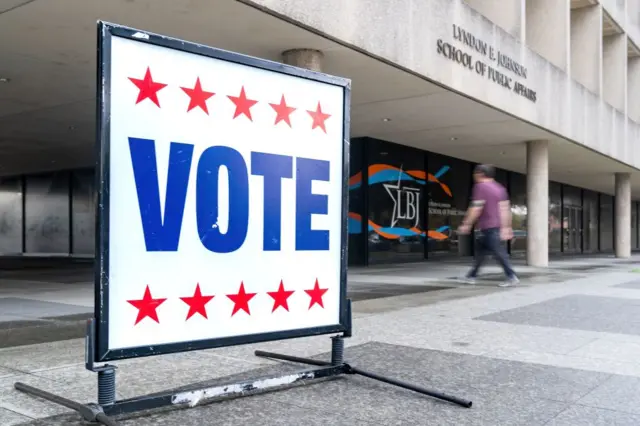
x=108, y=405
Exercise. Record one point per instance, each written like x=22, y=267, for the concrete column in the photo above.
x=304, y=58
x=538, y=203
x=622, y=220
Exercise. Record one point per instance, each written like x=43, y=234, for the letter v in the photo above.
x=160, y=234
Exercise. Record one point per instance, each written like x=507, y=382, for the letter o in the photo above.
x=459, y=55
x=207, y=203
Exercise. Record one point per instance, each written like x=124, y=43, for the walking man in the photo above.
x=491, y=208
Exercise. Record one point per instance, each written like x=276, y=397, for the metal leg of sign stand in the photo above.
x=337, y=359
x=106, y=388
x=108, y=405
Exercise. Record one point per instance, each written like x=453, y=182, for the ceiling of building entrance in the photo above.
x=48, y=84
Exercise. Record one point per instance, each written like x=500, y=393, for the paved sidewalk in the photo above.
x=562, y=349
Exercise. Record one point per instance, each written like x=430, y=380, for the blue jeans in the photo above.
x=489, y=242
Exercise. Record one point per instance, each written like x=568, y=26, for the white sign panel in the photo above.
x=223, y=217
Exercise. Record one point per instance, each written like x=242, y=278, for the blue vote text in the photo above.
x=162, y=231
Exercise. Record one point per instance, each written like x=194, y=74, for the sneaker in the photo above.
x=509, y=282
x=467, y=280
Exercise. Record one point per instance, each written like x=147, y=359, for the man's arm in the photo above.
x=473, y=212
x=505, y=214
x=506, y=233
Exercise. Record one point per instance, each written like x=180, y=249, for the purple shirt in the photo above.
x=492, y=193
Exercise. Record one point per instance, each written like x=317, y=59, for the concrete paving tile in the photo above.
x=455, y=343
x=27, y=405
x=608, y=349
x=567, y=361
x=387, y=405
x=43, y=356
x=424, y=335
x=5, y=372
x=635, y=285
x=304, y=347
x=152, y=374
x=159, y=375
x=535, y=341
x=260, y=410
x=580, y=312
x=580, y=415
x=10, y=418
x=538, y=381
x=29, y=308
x=397, y=359
x=6, y=319
x=443, y=368
x=619, y=393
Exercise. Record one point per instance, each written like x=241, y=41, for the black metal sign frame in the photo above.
x=102, y=353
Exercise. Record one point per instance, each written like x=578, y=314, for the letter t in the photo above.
x=273, y=168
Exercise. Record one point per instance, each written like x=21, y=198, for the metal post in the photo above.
x=106, y=386
x=106, y=373
x=337, y=350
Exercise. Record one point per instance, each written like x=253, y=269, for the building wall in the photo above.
x=562, y=105
x=406, y=205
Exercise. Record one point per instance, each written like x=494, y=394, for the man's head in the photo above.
x=483, y=173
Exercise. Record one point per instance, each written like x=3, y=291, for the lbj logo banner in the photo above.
x=406, y=202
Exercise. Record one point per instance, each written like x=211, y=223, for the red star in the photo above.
x=283, y=111
x=147, y=306
x=319, y=118
x=241, y=300
x=316, y=295
x=148, y=88
x=280, y=297
x=243, y=105
x=198, y=96
x=197, y=303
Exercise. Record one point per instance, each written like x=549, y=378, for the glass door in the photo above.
x=572, y=229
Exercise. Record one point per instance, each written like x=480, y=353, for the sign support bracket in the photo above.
x=337, y=359
x=108, y=405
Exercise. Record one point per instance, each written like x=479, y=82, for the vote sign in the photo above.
x=222, y=214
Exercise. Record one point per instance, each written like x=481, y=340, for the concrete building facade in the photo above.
x=546, y=90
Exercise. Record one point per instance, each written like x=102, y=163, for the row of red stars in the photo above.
x=197, y=303
x=198, y=98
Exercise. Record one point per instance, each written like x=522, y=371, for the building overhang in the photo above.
x=47, y=107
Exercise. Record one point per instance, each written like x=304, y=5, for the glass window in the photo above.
x=47, y=213
x=396, y=197
x=555, y=217
x=356, y=204
x=606, y=223
x=502, y=177
x=518, y=193
x=10, y=215
x=448, y=191
x=83, y=212
x=590, y=222
x=571, y=196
